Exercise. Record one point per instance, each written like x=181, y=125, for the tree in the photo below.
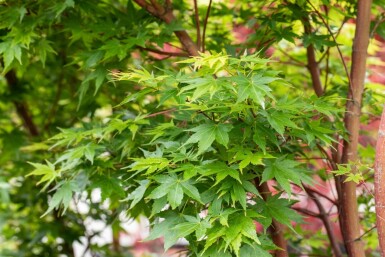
x=177, y=116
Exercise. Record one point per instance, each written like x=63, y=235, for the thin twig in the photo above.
x=306, y=212
x=332, y=164
x=205, y=26
x=320, y=194
x=291, y=57
x=327, y=69
x=365, y=233
x=161, y=112
x=377, y=24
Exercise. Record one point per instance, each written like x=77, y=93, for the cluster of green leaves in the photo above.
x=193, y=164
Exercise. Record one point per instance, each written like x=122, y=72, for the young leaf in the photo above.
x=63, y=195
x=48, y=173
x=205, y=135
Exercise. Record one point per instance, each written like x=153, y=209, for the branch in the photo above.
x=166, y=15
x=312, y=64
x=162, y=52
x=320, y=194
x=161, y=113
x=306, y=212
x=21, y=107
x=205, y=26
x=325, y=220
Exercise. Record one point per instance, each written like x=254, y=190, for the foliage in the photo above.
x=186, y=142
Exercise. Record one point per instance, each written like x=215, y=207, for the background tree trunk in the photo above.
x=349, y=216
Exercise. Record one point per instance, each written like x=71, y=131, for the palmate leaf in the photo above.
x=63, y=195
x=193, y=224
x=284, y=171
x=279, y=120
x=151, y=164
x=253, y=251
x=247, y=157
x=137, y=195
x=277, y=208
x=108, y=186
x=47, y=171
x=205, y=135
x=201, y=86
x=175, y=188
x=165, y=229
x=221, y=170
x=240, y=226
x=254, y=88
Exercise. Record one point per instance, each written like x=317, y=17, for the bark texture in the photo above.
x=312, y=64
x=349, y=209
x=379, y=184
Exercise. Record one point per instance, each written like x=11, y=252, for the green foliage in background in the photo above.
x=91, y=98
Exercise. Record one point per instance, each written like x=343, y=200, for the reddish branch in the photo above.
x=205, y=26
x=349, y=208
x=325, y=220
x=312, y=64
x=276, y=228
x=379, y=184
x=21, y=107
x=165, y=14
x=161, y=52
x=313, y=191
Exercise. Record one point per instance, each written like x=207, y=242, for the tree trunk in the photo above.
x=379, y=184
x=348, y=201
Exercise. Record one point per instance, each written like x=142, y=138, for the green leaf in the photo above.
x=247, y=157
x=205, y=135
x=151, y=164
x=253, y=251
x=221, y=170
x=191, y=190
x=254, y=88
x=170, y=186
x=165, y=229
x=138, y=193
x=48, y=173
x=239, y=195
x=280, y=120
x=63, y=195
x=194, y=224
x=277, y=208
x=240, y=225
x=175, y=195
x=108, y=186
x=284, y=171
